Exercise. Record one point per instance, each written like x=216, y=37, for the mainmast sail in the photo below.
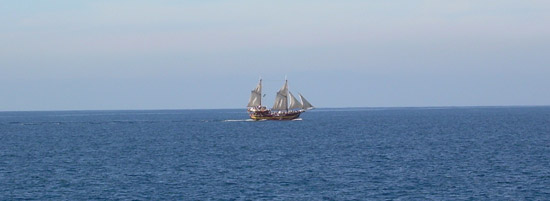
x=294, y=103
x=256, y=96
x=281, y=100
x=305, y=104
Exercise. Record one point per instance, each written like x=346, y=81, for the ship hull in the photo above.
x=274, y=116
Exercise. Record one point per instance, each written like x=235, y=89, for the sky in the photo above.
x=208, y=54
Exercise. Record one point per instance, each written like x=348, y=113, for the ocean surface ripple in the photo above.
x=478, y=153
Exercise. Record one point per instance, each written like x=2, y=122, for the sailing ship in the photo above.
x=286, y=106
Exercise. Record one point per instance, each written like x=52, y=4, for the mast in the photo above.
x=286, y=85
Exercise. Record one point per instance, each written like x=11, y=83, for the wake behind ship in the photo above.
x=286, y=106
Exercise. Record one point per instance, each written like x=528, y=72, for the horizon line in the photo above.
x=352, y=107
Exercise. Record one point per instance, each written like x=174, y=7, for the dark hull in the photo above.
x=274, y=116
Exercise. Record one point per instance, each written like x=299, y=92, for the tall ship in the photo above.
x=286, y=106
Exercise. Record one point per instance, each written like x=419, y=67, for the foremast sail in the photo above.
x=256, y=96
x=281, y=100
x=294, y=103
x=285, y=100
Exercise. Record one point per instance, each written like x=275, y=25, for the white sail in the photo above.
x=281, y=101
x=256, y=96
x=305, y=104
x=294, y=103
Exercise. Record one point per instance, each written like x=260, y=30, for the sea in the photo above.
x=434, y=153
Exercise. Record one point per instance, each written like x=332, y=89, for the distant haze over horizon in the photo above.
x=132, y=55
x=317, y=109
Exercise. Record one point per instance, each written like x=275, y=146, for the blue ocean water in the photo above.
x=491, y=153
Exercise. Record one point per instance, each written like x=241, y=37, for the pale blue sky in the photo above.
x=80, y=55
